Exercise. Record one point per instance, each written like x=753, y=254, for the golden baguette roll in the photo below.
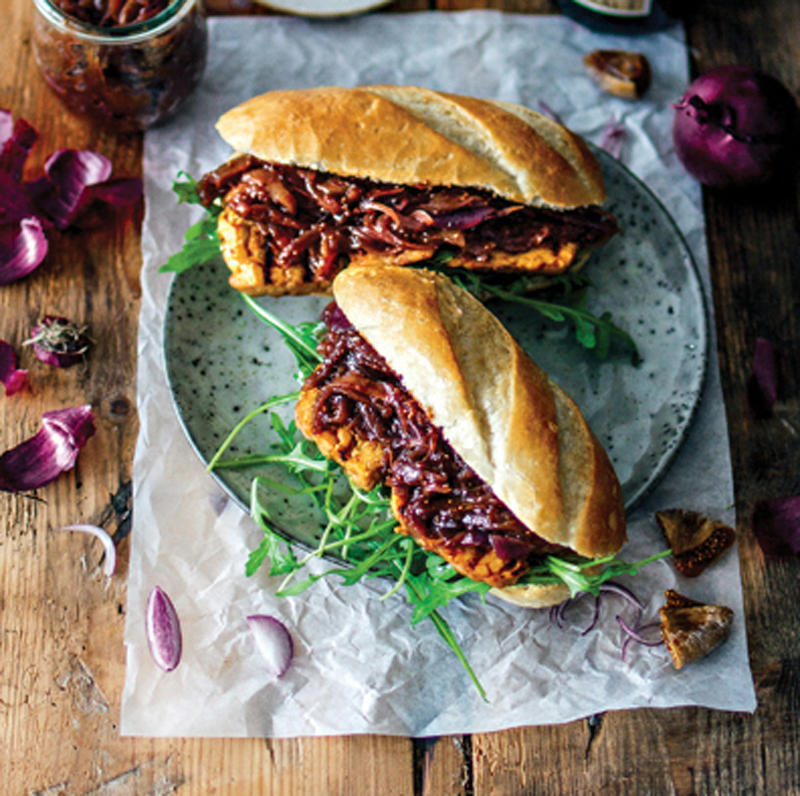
x=399, y=136
x=496, y=408
x=409, y=135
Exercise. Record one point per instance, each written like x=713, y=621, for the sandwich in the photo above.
x=489, y=463
x=325, y=178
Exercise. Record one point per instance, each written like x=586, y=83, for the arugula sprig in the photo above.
x=201, y=245
x=200, y=241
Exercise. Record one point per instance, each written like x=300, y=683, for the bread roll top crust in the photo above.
x=407, y=135
x=497, y=409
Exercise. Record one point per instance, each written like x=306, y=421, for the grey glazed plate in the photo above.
x=222, y=362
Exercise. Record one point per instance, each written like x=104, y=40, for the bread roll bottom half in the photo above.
x=489, y=463
x=325, y=178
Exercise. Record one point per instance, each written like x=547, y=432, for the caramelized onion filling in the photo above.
x=436, y=497
x=314, y=219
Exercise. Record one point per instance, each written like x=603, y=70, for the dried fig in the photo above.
x=695, y=539
x=691, y=629
x=623, y=74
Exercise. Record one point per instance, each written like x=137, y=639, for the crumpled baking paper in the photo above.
x=359, y=666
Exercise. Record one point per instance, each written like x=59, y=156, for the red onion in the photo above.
x=58, y=341
x=163, y=630
x=274, y=642
x=76, y=189
x=74, y=181
x=735, y=126
x=53, y=450
x=23, y=246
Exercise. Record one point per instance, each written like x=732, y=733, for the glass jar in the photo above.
x=126, y=76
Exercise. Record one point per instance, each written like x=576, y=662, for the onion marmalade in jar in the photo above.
x=128, y=64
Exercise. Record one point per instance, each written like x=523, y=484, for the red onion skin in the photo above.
x=735, y=126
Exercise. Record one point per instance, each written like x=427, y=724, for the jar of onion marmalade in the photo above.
x=128, y=65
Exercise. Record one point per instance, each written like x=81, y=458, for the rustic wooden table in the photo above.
x=62, y=659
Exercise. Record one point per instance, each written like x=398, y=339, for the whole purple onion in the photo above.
x=735, y=126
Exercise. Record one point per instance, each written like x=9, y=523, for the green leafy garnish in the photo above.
x=201, y=245
x=357, y=528
x=592, y=332
x=201, y=242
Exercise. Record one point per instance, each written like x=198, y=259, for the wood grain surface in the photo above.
x=62, y=658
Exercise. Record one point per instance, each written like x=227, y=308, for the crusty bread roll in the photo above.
x=408, y=135
x=496, y=408
x=420, y=139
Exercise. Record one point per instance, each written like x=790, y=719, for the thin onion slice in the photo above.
x=110, y=559
x=163, y=630
x=274, y=642
x=635, y=634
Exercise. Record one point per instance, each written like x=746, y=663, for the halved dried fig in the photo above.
x=695, y=539
x=623, y=74
x=691, y=629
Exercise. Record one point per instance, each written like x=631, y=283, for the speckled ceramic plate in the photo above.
x=222, y=362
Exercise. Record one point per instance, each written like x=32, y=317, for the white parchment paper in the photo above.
x=359, y=667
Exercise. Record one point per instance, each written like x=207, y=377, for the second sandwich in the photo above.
x=490, y=464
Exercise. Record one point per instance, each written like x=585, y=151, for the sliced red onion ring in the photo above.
x=274, y=642
x=110, y=559
x=163, y=630
x=12, y=377
x=632, y=634
x=52, y=451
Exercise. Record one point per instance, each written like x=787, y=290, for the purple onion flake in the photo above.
x=53, y=450
x=76, y=190
x=74, y=180
x=23, y=247
x=12, y=377
x=776, y=525
x=163, y=630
